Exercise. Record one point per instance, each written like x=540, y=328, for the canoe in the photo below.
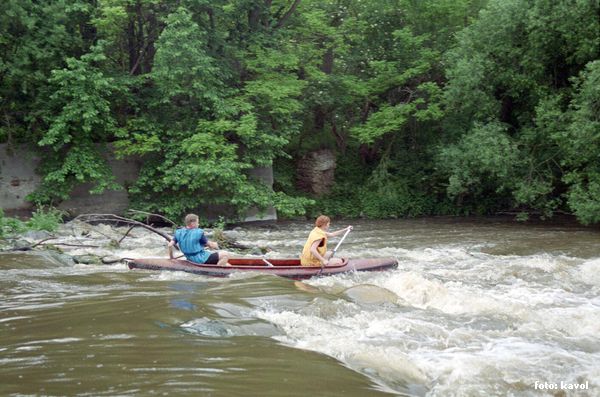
x=289, y=268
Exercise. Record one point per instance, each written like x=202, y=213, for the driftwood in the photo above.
x=149, y=214
x=126, y=233
x=43, y=242
x=116, y=219
x=78, y=245
x=88, y=218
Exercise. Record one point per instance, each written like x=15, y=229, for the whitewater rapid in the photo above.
x=475, y=307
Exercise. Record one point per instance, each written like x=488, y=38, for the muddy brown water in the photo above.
x=476, y=307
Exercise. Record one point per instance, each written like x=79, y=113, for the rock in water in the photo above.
x=107, y=260
x=57, y=257
x=37, y=235
x=87, y=259
x=21, y=245
x=370, y=294
x=207, y=327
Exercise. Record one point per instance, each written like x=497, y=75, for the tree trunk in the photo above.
x=153, y=33
x=131, y=43
x=254, y=18
x=327, y=65
x=266, y=18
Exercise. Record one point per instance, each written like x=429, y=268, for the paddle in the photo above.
x=267, y=262
x=335, y=250
x=340, y=243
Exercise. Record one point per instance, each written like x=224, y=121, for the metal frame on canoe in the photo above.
x=290, y=267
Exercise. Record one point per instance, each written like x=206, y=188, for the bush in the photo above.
x=45, y=219
x=41, y=219
x=10, y=225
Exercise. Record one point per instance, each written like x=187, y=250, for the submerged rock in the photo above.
x=229, y=328
x=87, y=259
x=370, y=294
x=57, y=257
x=37, y=235
x=107, y=260
x=20, y=245
x=207, y=327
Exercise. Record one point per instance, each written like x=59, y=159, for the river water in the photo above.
x=476, y=307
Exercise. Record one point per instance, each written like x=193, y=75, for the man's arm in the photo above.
x=315, y=252
x=171, y=244
x=206, y=242
x=337, y=233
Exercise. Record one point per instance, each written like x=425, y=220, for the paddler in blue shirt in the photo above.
x=191, y=240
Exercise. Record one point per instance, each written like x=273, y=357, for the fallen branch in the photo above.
x=119, y=219
x=77, y=245
x=43, y=241
x=155, y=215
x=126, y=233
x=95, y=230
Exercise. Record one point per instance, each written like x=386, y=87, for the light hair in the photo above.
x=190, y=218
x=322, y=220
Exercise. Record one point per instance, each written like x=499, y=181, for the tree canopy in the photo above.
x=431, y=106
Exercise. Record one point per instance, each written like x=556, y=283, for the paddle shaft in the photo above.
x=334, y=250
x=340, y=243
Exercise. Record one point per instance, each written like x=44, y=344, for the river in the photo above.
x=476, y=307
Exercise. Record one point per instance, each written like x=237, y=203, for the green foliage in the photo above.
x=45, y=219
x=183, y=71
x=78, y=115
x=516, y=65
x=10, y=226
x=485, y=157
x=42, y=219
x=433, y=106
x=580, y=141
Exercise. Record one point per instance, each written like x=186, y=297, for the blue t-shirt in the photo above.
x=191, y=242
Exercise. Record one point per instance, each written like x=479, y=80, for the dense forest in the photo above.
x=431, y=106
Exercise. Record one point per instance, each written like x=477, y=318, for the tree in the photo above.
x=514, y=65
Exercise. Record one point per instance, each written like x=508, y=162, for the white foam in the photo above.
x=354, y=340
x=589, y=272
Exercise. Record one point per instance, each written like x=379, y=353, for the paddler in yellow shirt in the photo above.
x=315, y=251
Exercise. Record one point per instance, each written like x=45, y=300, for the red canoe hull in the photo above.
x=289, y=268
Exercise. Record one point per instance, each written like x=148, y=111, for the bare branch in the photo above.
x=119, y=219
x=155, y=215
x=77, y=245
x=126, y=233
x=43, y=241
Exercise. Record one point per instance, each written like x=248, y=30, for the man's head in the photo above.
x=191, y=220
x=322, y=221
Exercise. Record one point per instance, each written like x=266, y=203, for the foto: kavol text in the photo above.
x=561, y=386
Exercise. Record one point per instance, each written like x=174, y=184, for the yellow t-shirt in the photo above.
x=307, y=258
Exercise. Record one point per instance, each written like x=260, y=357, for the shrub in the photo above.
x=46, y=219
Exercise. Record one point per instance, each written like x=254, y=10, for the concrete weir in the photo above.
x=18, y=178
